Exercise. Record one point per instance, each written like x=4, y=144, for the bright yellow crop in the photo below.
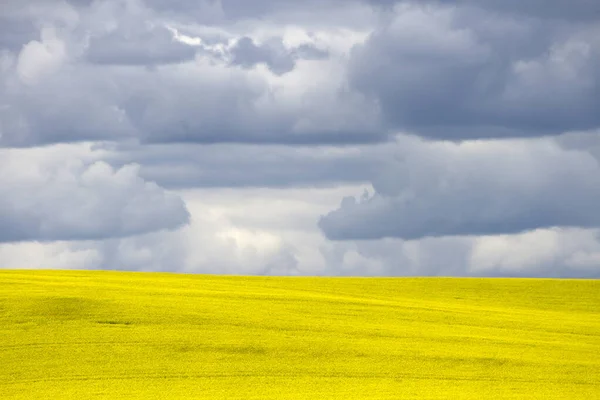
x=89, y=335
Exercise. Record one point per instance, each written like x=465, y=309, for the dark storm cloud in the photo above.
x=455, y=73
x=474, y=188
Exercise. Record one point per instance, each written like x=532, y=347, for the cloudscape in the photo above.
x=329, y=137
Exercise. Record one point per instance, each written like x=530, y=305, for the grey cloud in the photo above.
x=247, y=54
x=456, y=73
x=14, y=33
x=128, y=33
x=174, y=252
x=230, y=165
x=578, y=10
x=532, y=254
x=157, y=251
x=49, y=94
x=213, y=11
x=477, y=188
x=309, y=52
x=396, y=257
x=38, y=115
x=269, y=232
x=588, y=142
x=233, y=108
x=273, y=53
x=148, y=47
x=161, y=106
x=575, y=10
x=205, y=246
x=36, y=14
x=241, y=8
x=47, y=198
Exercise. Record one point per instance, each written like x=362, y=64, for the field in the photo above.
x=81, y=335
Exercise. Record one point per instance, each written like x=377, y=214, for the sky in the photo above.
x=315, y=137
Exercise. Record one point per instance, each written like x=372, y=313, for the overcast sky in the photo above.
x=315, y=137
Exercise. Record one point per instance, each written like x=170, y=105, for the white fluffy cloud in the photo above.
x=550, y=252
x=52, y=194
x=40, y=57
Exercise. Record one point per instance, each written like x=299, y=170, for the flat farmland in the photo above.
x=90, y=335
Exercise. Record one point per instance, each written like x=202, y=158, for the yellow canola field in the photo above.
x=116, y=335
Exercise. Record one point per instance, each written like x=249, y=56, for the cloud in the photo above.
x=196, y=103
x=557, y=253
x=216, y=240
x=272, y=232
x=15, y=32
x=395, y=257
x=274, y=110
x=574, y=10
x=180, y=166
x=473, y=188
x=273, y=53
x=222, y=12
x=544, y=252
x=118, y=71
x=588, y=142
x=462, y=73
x=40, y=57
x=437, y=71
x=149, y=46
x=49, y=255
x=51, y=194
x=128, y=33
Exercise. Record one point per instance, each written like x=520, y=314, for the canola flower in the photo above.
x=117, y=335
